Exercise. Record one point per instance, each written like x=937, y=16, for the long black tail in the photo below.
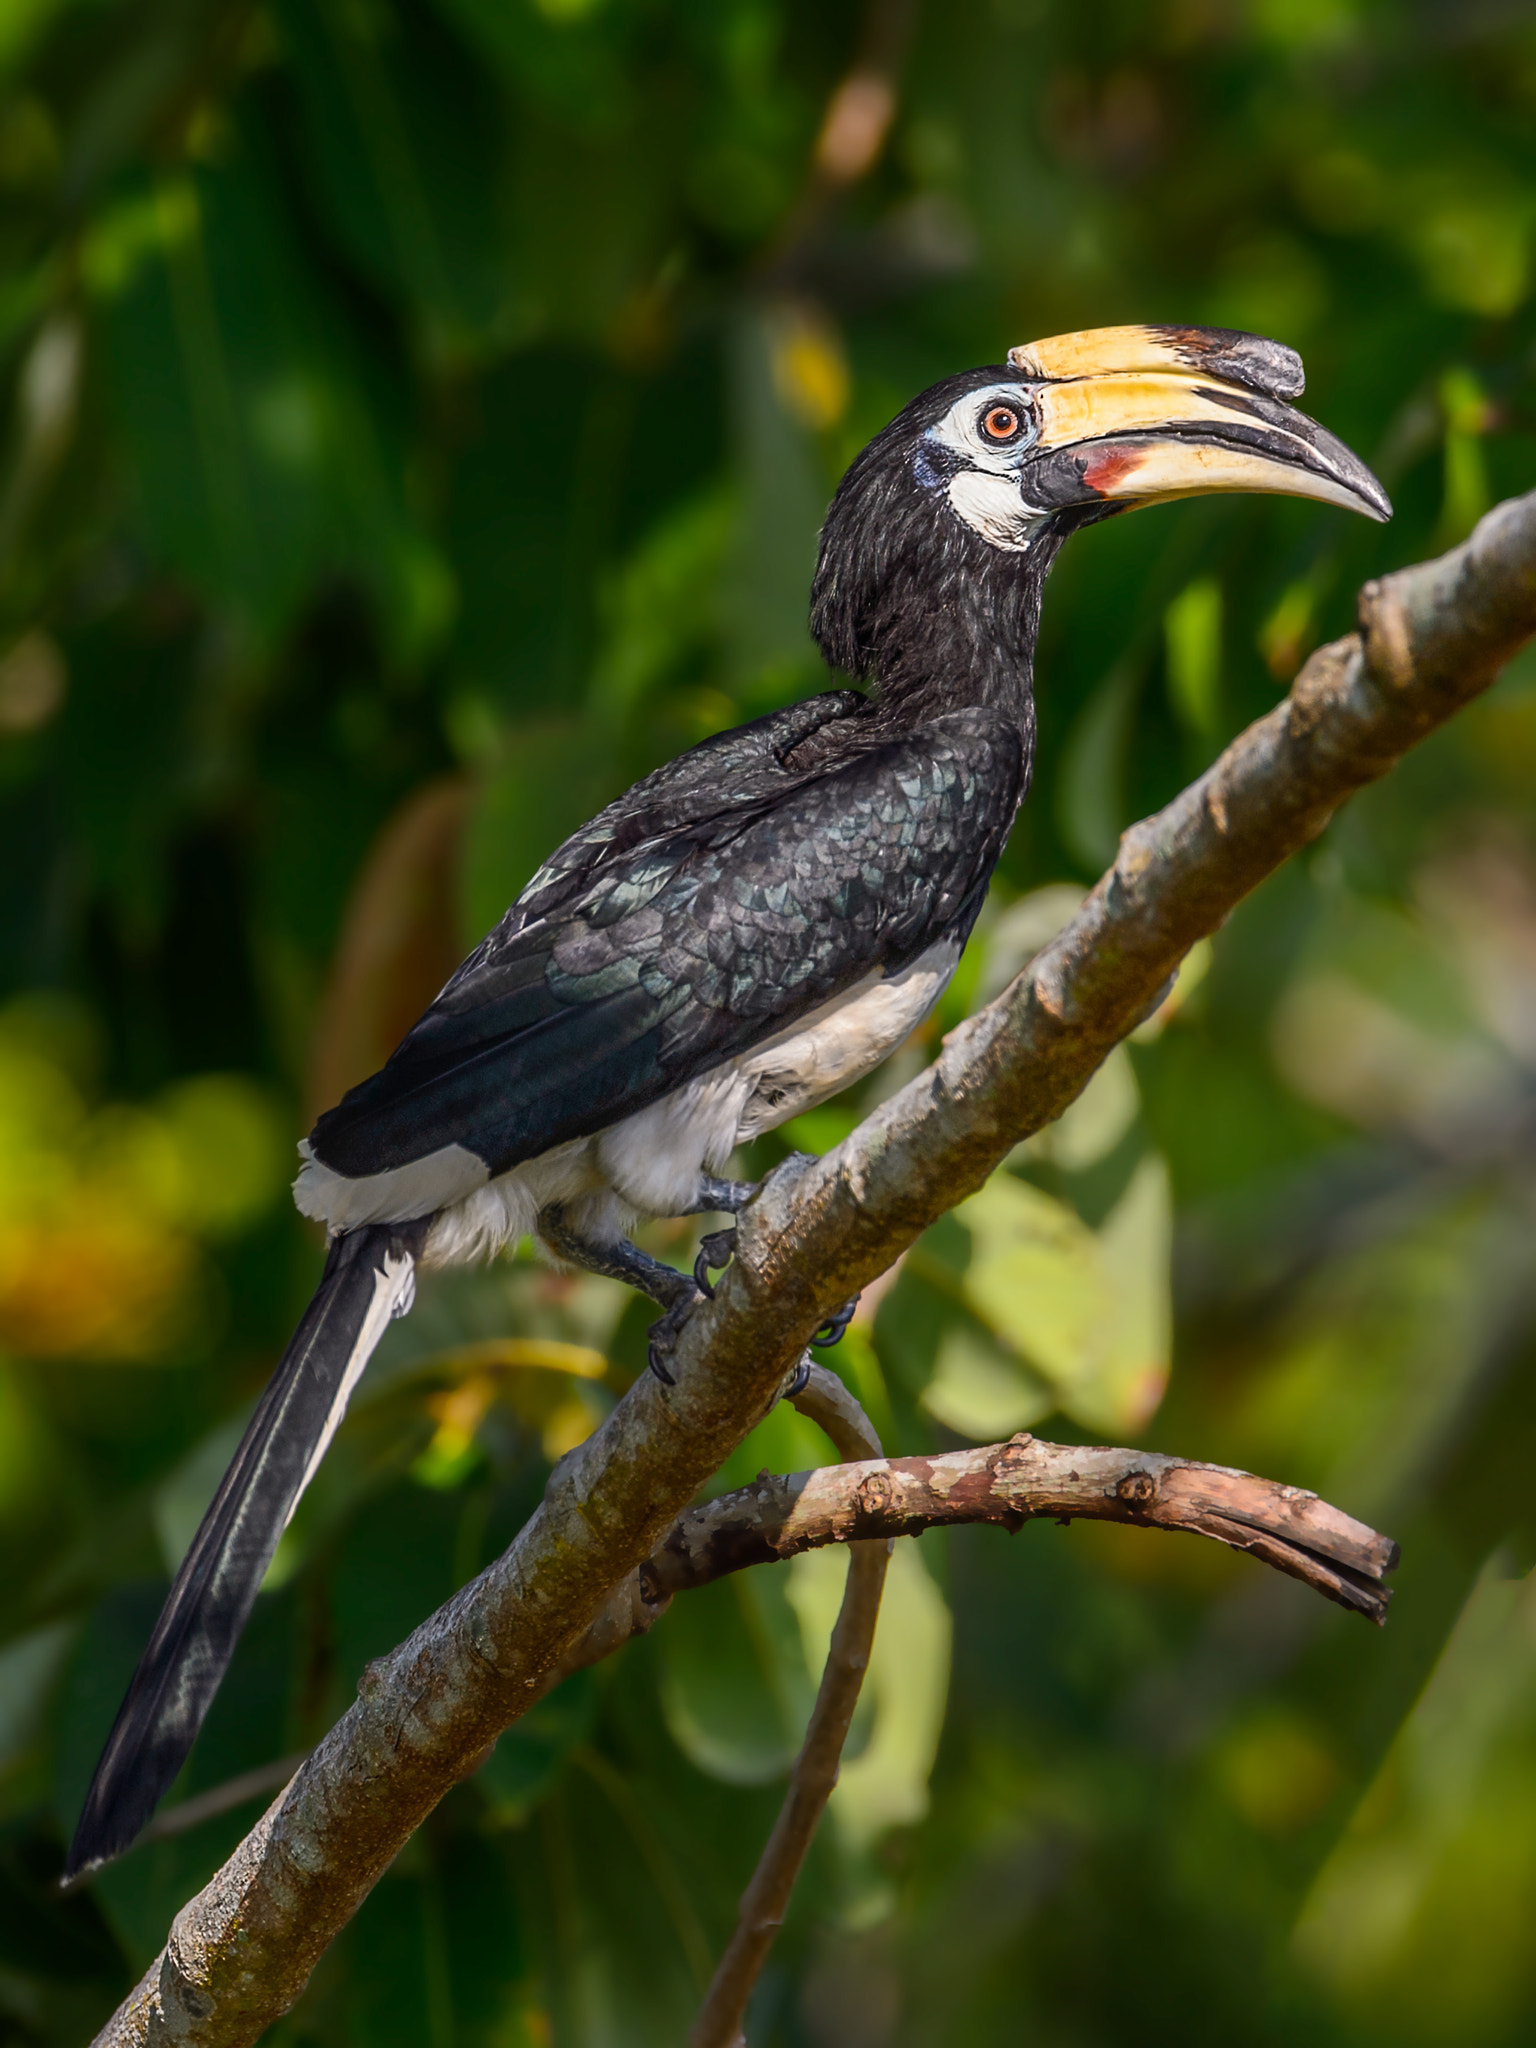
x=369, y=1277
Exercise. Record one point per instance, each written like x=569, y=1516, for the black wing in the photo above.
x=711, y=907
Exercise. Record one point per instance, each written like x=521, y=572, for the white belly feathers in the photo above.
x=837, y=1045
x=650, y=1163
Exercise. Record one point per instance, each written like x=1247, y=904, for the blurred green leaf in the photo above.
x=664, y=609
x=1467, y=418
x=1091, y=810
x=1033, y=1275
x=405, y=135
x=883, y=1783
x=29, y=1670
x=396, y=1564
x=266, y=448
x=232, y=1151
x=1192, y=634
x=734, y=1683
x=1088, y=1312
x=551, y=778
x=1471, y=233
x=1123, y=1378
x=1396, y=1923
x=1091, y=1127
x=783, y=501
x=1009, y=939
x=981, y=1389
x=525, y=1762
x=401, y=1989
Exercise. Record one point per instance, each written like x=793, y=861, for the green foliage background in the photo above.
x=417, y=418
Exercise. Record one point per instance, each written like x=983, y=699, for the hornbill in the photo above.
x=739, y=936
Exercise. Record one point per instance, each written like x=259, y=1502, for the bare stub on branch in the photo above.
x=1432, y=637
x=1020, y=1481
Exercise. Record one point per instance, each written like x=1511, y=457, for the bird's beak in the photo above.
x=1139, y=415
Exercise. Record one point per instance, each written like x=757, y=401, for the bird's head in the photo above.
x=935, y=548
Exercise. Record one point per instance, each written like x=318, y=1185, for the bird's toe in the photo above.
x=716, y=1250
x=664, y=1333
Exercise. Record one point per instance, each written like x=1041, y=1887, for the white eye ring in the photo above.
x=964, y=433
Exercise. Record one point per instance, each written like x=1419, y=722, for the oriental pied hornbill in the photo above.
x=742, y=934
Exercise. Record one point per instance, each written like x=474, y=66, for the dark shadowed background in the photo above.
x=417, y=416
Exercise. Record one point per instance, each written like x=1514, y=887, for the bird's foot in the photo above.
x=799, y=1379
x=716, y=1250
x=664, y=1333
x=835, y=1328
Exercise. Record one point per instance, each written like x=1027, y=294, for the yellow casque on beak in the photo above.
x=1140, y=415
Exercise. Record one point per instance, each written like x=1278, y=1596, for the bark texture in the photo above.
x=1021, y=1481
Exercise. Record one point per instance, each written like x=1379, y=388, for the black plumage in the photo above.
x=741, y=933
x=764, y=871
x=717, y=901
x=921, y=606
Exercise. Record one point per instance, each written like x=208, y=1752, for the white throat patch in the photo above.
x=991, y=506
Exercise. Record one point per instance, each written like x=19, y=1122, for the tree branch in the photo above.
x=241, y=1952
x=1008, y=1484
x=766, y=1899
x=1023, y=1481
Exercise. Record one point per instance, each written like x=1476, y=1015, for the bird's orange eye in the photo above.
x=1000, y=423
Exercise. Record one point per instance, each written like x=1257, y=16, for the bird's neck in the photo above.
x=964, y=638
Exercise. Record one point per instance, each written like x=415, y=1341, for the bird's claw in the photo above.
x=799, y=1380
x=663, y=1335
x=835, y=1328
x=716, y=1250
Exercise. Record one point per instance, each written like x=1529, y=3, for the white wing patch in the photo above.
x=395, y=1196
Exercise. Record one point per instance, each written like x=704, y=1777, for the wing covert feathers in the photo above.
x=695, y=918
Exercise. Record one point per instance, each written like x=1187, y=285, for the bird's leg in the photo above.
x=615, y=1259
x=618, y=1259
x=726, y=1196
